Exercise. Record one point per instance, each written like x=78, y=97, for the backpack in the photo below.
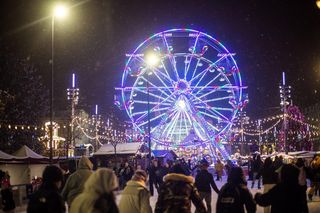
x=229, y=200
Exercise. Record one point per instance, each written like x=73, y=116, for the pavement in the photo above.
x=314, y=205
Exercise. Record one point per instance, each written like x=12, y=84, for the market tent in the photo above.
x=24, y=165
x=121, y=149
x=27, y=153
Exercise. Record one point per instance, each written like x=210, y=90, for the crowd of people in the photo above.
x=178, y=185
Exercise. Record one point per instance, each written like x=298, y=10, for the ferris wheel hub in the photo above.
x=182, y=86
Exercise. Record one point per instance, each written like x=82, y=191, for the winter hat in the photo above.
x=140, y=175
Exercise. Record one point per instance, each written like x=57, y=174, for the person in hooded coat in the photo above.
x=235, y=195
x=177, y=192
x=47, y=198
x=97, y=196
x=75, y=182
x=286, y=196
x=135, y=197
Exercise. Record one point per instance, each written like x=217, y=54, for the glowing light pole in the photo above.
x=152, y=60
x=73, y=96
x=96, y=118
x=285, y=96
x=60, y=11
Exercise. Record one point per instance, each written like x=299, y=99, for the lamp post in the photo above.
x=59, y=11
x=152, y=60
x=73, y=96
x=285, y=96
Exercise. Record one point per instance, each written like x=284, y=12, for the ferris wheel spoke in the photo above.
x=171, y=58
x=216, y=115
x=213, y=99
x=213, y=65
x=213, y=90
x=171, y=130
x=149, y=93
x=160, y=89
x=152, y=119
x=155, y=107
x=191, y=57
x=211, y=125
x=217, y=108
x=185, y=122
x=213, y=111
x=155, y=73
x=195, y=69
x=168, y=125
x=211, y=81
x=155, y=110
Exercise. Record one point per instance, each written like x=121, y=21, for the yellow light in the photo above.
x=60, y=11
x=152, y=59
x=318, y=3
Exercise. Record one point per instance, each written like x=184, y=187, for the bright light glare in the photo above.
x=318, y=3
x=152, y=59
x=60, y=11
x=181, y=104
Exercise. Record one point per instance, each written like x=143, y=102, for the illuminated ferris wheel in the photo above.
x=184, y=85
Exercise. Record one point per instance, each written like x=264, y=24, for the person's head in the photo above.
x=300, y=162
x=85, y=163
x=218, y=161
x=204, y=164
x=139, y=167
x=102, y=181
x=178, y=169
x=267, y=162
x=126, y=164
x=289, y=174
x=166, y=165
x=52, y=177
x=155, y=163
x=140, y=175
x=236, y=176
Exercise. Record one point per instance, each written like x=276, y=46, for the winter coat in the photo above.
x=176, y=195
x=135, y=198
x=284, y=198
x=97, y=196
x=75, y=183
x=7, y=199
x=269, y=176
x=46, y=200
x=204, y=180
x=241, y=196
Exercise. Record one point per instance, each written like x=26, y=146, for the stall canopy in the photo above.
x=27, y=153
x=121, y=149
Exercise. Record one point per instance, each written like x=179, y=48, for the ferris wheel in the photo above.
x=185, y=86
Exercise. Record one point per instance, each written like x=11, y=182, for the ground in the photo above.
x=314, y=205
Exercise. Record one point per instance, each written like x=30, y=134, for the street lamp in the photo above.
x=59, y=11
x=152, y=60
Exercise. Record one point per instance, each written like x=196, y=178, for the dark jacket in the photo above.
x=269, y=176
x=284, y=198
x=46, y=200
x=7, y=199
x=203, y=181
x=176, y=195
x=234, y=203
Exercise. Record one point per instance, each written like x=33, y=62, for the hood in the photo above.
x=85, y=163
x=136, y=183
x=178, y=177
x=100, y=182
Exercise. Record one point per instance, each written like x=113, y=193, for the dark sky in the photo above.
x=268, y=37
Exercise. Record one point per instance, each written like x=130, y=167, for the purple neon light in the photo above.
x=73, y=80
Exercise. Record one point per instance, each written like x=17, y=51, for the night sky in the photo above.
x=268, y=37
